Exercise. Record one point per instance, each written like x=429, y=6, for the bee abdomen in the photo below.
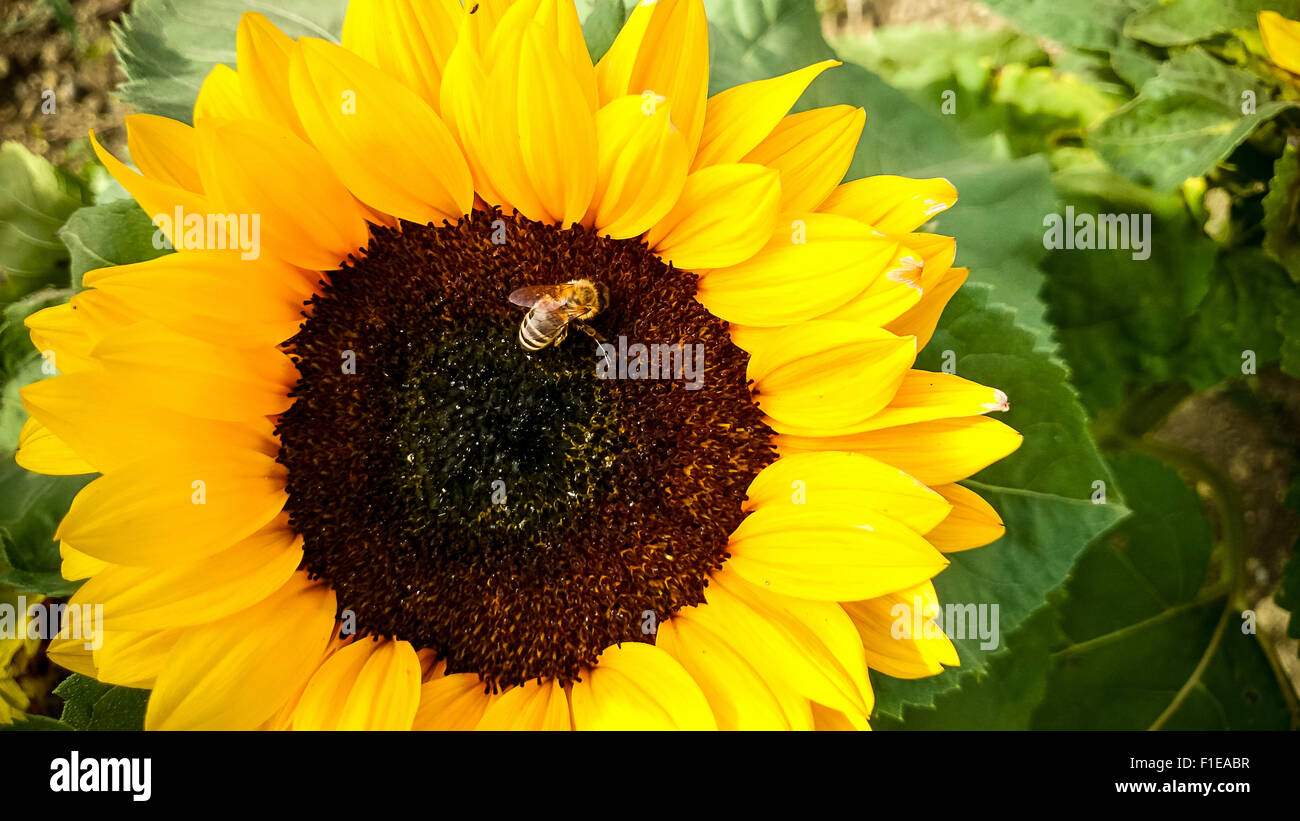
x=531, y=336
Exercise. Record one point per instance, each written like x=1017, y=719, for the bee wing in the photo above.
x=531, y=295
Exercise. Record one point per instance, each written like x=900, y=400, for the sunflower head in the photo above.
x=339, y=467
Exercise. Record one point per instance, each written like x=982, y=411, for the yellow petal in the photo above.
x=103, y=313
x=828, y=374
x=636, y=686
x=498, y=146
x=451, y=702
x=894, y=205
x=937, y=254
x=220, y=96
x=77, y=565
x=262, y=56
x=556, y=21
x=836, y=258
x=830, y=553
x=411, y=41
x=212, y=295
x=480, y=20
x=282, y=719
x=826, y=719
x=900, y=635
x=133, y=659
x=367, y=685
x=724, y=216
x=197, y=378
x=40, y=451
x=936, y=453
x=813, y=151
x=174, y=510
x=662, y=51
x=66, y=335
x=847, y=480
x=739, y=119
x=972, y=523
x=235, y=673
x=64, y=339
x=151, y=598
x=559, y=20
x=640, y=167
x=1282, y=39
x=887, y=297
x=108, y=427
x=72, y=654
x=740, y=697
x=164, y=150
x=557, y=129
x=922, y=396
x=921, y=320
x=614, y=70
x=810, y=645
x=307, y=217
x=530, y=706
x=465, y=111
x=155, y=197
x=354, y=114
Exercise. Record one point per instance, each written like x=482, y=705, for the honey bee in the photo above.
x=552, y=307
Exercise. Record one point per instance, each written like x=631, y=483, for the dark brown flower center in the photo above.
x=516, y=512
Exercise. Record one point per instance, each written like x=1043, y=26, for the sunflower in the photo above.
x=335, y=491
x=1281, y=40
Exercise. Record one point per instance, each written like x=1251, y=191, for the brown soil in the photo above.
x=38, y=55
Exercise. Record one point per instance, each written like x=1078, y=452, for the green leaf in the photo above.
x=1236, y=318
x=1002, y=696
x=1180, y=22
x=1042, y=491
x=1189, y=312
x=1098, y=25
x=167, y=47
x=997, y=220
x=32, y=508
x=1120, y=320
x=92, y=705
x=30, y=723
x=1151, y=639
x=101, y=236
x=1288, y=325
x=1134, y=63
x=919, y=56
x=996, y=81
x=1288, y=591
x=1282, y=212
x=35, y=199
x=755, y=39
x=1185, y=120
x=998, y=223
x=601, y=21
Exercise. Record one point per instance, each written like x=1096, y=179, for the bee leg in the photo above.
x=591, y=332
x=602, y=345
